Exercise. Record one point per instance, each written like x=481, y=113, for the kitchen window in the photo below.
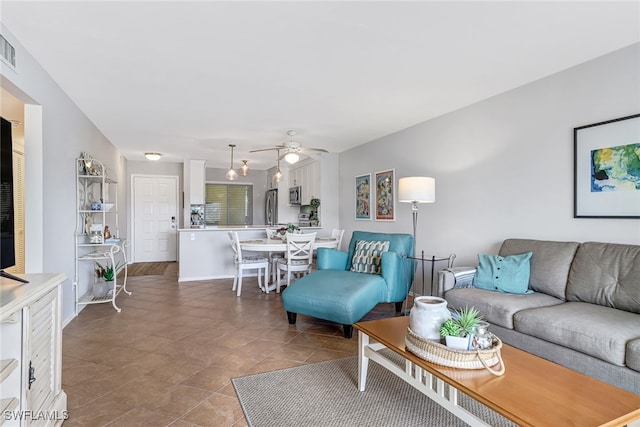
x=228, y=204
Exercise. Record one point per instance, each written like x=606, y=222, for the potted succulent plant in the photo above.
x=106, y=275
x=458, y=330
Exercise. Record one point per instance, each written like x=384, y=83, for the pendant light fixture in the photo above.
x=231, y=173
x=278, y=175
x=244, y=169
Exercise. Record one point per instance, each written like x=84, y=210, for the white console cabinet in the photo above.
x=31, y=351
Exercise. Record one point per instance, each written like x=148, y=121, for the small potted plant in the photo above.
x=458, y=330
x=106, y=275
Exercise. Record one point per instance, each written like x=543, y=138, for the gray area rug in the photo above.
x=326, y=394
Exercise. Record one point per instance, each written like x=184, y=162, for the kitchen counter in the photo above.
x=244, y=227
x=205, y=253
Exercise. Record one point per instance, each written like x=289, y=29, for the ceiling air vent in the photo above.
x=8, y=52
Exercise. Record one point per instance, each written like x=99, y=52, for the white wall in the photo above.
x=50, y=152
x=504, y=166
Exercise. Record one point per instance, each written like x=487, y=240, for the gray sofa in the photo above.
x=583, y=313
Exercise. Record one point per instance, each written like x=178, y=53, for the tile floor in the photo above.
x=169, y=356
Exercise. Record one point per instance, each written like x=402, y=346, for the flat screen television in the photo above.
x=7, y=230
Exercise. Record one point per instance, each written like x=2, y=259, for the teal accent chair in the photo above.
x=335, y=293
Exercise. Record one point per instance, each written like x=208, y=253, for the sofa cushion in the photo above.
x=550, y=263
x=367, y=256
x=633, y=355
x=606, y=274
x=497, y=307
x=503, y=273
x=598, y=331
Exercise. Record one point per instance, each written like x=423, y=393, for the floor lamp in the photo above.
x=414, y=190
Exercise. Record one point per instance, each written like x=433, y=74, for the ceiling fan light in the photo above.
x=153, y=156
x=291, y=157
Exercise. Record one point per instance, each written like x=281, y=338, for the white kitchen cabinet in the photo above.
x=31, y=351
x=196, y=182
x=306, y=176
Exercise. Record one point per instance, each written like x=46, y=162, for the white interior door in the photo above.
x=155, y=218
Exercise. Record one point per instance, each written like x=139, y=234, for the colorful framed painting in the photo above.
x=385, y=195
x=363, y=197
x=607, y=169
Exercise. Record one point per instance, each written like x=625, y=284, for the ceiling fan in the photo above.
x=291, y=149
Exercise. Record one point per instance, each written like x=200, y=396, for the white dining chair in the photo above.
x=337, y=234
x=298, y=258
x=257, y=262
x=274, y=257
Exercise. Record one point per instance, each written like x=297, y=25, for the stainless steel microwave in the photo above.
x=295, y=196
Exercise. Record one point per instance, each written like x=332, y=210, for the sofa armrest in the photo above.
x=455, y=277
x=396, y=271
x=332, y=259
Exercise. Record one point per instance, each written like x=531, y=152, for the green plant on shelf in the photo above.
x=108, y=272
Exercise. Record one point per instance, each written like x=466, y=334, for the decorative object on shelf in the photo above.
x=363, y=197
x=606, y=163
x=197, y=216
x=385, y=196
x=153, y=156
x=315, y=204
x=232, y=175
x=84, y=164
x=88, y=222
x=100, y=288
x=95, y=234
x=427, y=316
x=107, y=232
x=244, y=169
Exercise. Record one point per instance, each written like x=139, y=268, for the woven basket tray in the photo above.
x=439, y=354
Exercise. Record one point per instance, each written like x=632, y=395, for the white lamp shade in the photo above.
x=153, y=156
x=417, y=189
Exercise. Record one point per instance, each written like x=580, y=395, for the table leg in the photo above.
x=363, y=360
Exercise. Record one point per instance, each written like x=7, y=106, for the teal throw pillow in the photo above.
x=505, y=274
x=367, y=256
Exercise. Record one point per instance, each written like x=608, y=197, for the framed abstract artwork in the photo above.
x=363, y=197
x=607, y=169
x=385, y=195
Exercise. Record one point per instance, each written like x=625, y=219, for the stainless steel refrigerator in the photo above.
x=271, y=207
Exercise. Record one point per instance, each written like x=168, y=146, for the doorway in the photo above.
x=155, y=218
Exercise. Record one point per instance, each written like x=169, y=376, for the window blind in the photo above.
x=228, y=204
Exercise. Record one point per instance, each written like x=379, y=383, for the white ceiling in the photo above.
x=188, y=78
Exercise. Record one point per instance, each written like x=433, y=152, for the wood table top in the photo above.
x=532, y=392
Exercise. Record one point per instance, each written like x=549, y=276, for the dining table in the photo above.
x=279, y=245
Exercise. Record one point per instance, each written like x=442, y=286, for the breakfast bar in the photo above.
x=205, y=253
